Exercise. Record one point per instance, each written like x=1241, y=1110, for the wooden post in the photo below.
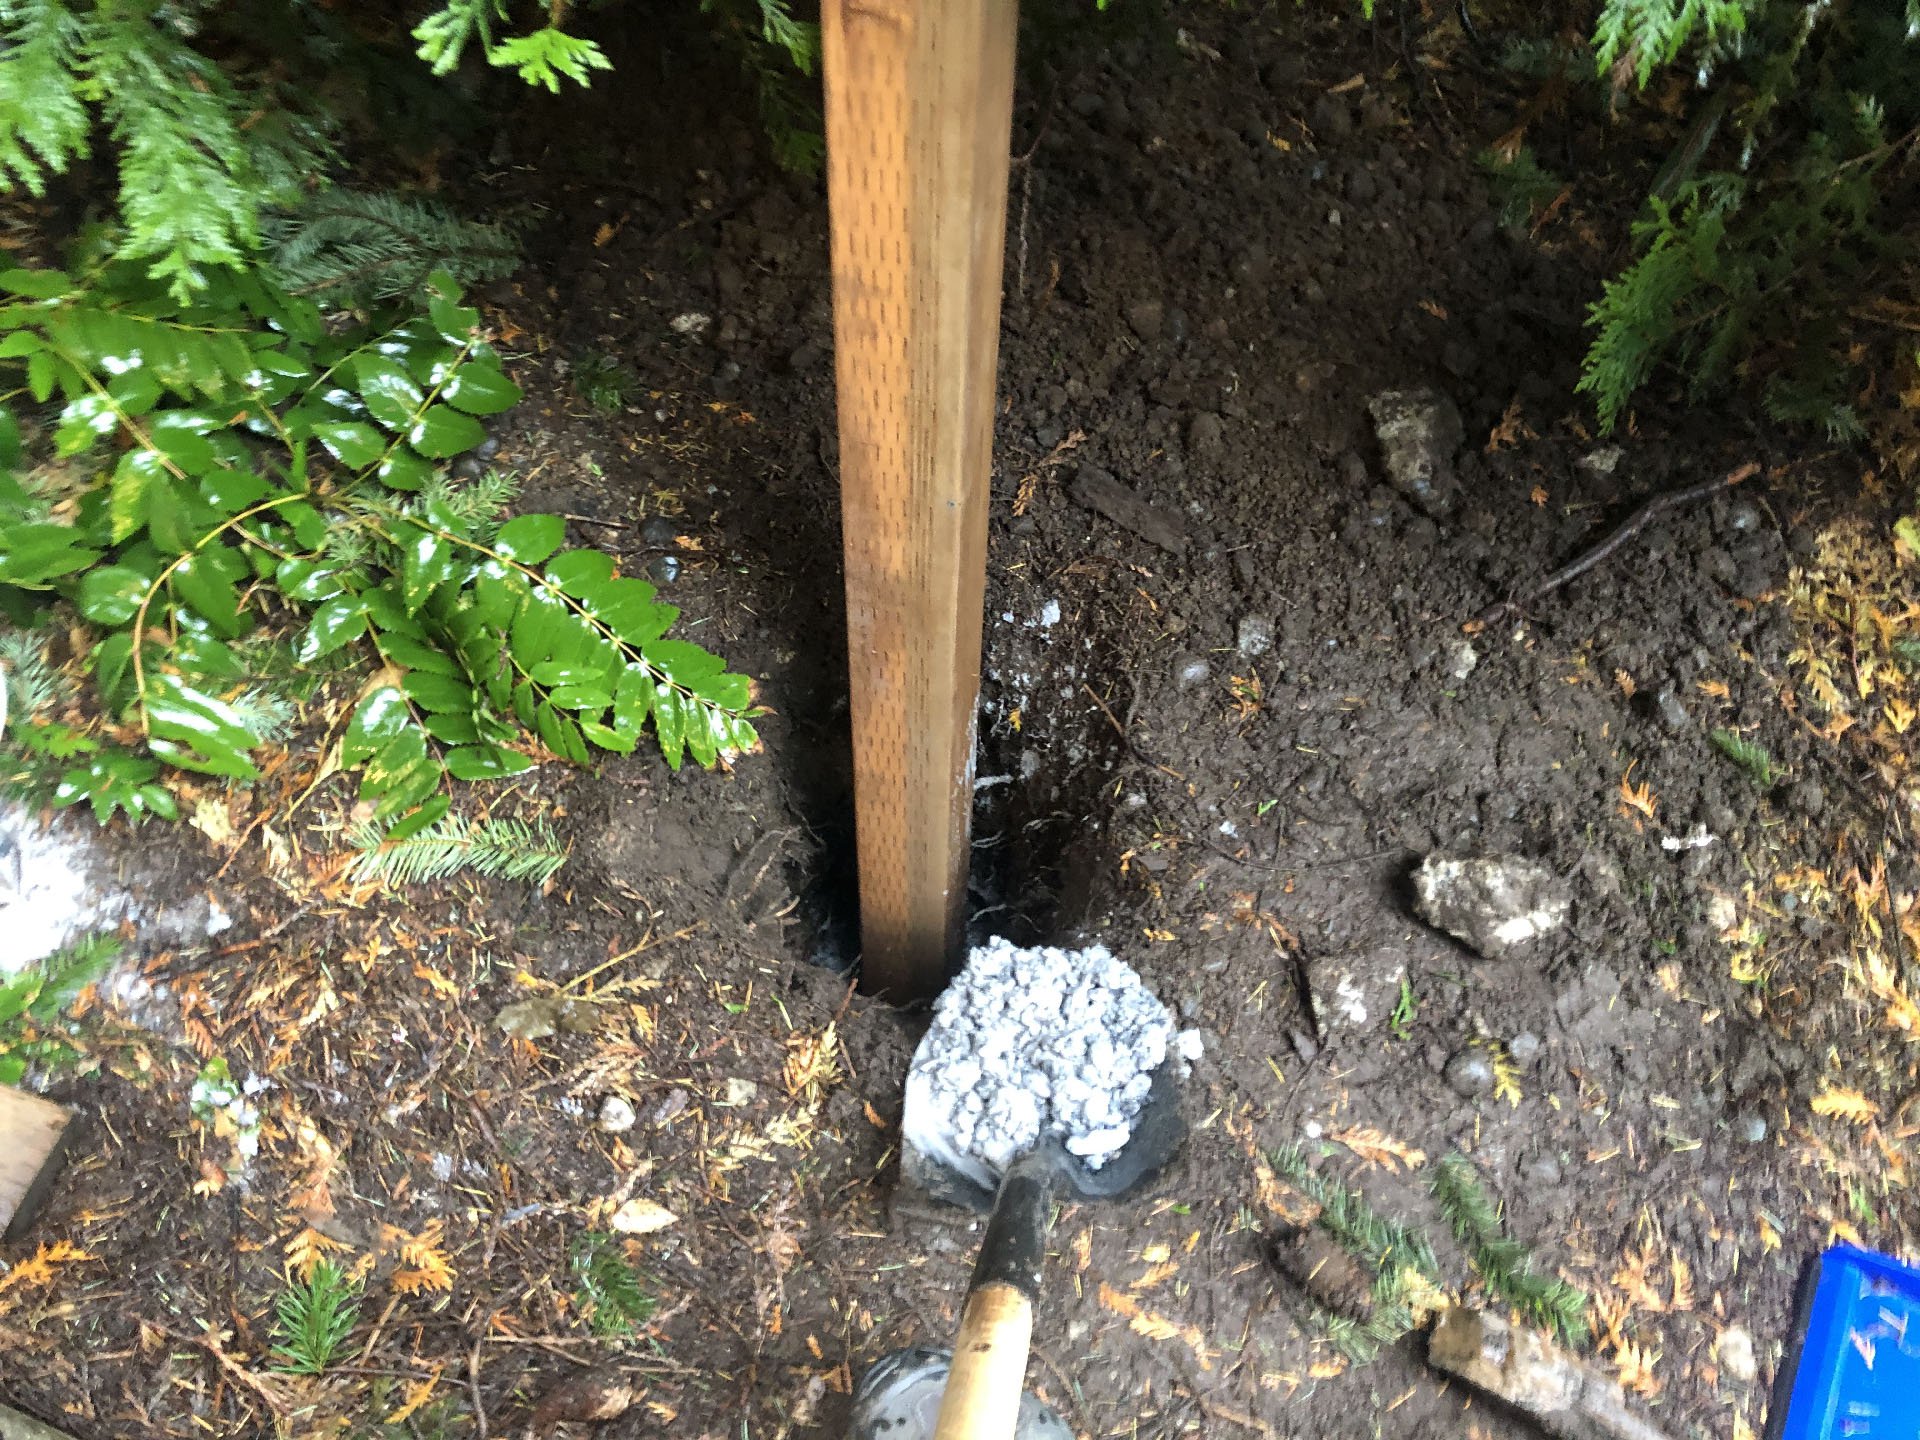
x=919, y=117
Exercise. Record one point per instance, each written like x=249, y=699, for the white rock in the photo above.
x=1734, y=1351
x=617, y=1115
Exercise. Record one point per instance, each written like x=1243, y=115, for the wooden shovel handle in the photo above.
x=982, y=1400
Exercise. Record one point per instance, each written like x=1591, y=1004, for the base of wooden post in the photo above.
x=33, y=1140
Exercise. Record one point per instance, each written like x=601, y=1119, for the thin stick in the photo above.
x=1627, y=529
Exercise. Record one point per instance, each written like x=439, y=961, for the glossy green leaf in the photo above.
x=133, y=477
x=726, y=690
x=430, y=813
x=110, y=594
x=337, y=622
x=354, y=443
x=560, y=735
x=443, y=431
x=112, y=662
x=621, y=742
x=181, y=436
x=581, y=697
x=9, y=439
x=403, y=470
x=134, y=392
x=453, y=727
x=388, y=392
x=581, y=573
x=480, y=388
x=702, y=743
x=31, y=555
x=198, y=581
x=376, y=721
x=406, y=651
x=670, y=723
x=307, y=581
x=195, y=730
x=485, y=762
x=84, y=420
x=530, y=538
x=36, y=284
x=41, y=372
x=230, y=491
x=438, y=693
x=426, y=560
x=456, y=322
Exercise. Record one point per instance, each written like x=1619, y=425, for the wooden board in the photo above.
x=33, y=1136
x=919, y=112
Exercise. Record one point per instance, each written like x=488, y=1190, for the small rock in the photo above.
x=1419, y=432
x=1543, y=1171
x=1494, y=903
x=1462, y=659
x=1304, y=1045
x=1355, y=991
x=1147, y=319
x=693, y=324
x=617, y=1115
x=657, y=532
x=670, y=1108
x=1602, y=461
x=1734, y=1351
x=1190, y=671
x=1743, y=516
x=739, y=1091
x=1254, y=635
x=1809, y=798
x=1673, y=714
x=1524, y=1048
x=1470, y=1074
x=584, y=1399
x=1205, y=434
x=545, y=1015
x=1751, y=1128
x=663, y=569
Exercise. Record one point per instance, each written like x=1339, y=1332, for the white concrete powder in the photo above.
x=1030, y=1042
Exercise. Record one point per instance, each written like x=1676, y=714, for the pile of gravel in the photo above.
x=1033, y=1042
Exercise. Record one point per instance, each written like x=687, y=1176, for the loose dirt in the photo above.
x=1219, y=731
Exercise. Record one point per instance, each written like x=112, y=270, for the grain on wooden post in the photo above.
x=33, y=1135
x=919, y=114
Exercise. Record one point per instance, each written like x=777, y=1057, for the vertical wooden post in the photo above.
x=919, y=114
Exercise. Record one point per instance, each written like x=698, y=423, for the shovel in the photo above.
x=976, y=1394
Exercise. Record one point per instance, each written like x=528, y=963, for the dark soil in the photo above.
x=1213, y=264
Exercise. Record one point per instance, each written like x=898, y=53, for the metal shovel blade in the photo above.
x=931, y=1164
x=899, y=1399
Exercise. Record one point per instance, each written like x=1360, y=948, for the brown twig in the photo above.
x=1626, y=530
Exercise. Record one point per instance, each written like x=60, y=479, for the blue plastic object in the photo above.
x=1859, y=1371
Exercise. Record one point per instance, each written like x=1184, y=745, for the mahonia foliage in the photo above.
x=214, y=468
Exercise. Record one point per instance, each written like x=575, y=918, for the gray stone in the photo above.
x=657, y=532
x=617, y=1115
x=1354, y=991
x=1809, y=798
x=1470, y=1074
x=1543, y=1171
x=1254, y=635
x=1524, y=1048
x=1190, y=671
x=1419, y=433
x=1495, y=904
x=1751, y=1128
x=1673, y=714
